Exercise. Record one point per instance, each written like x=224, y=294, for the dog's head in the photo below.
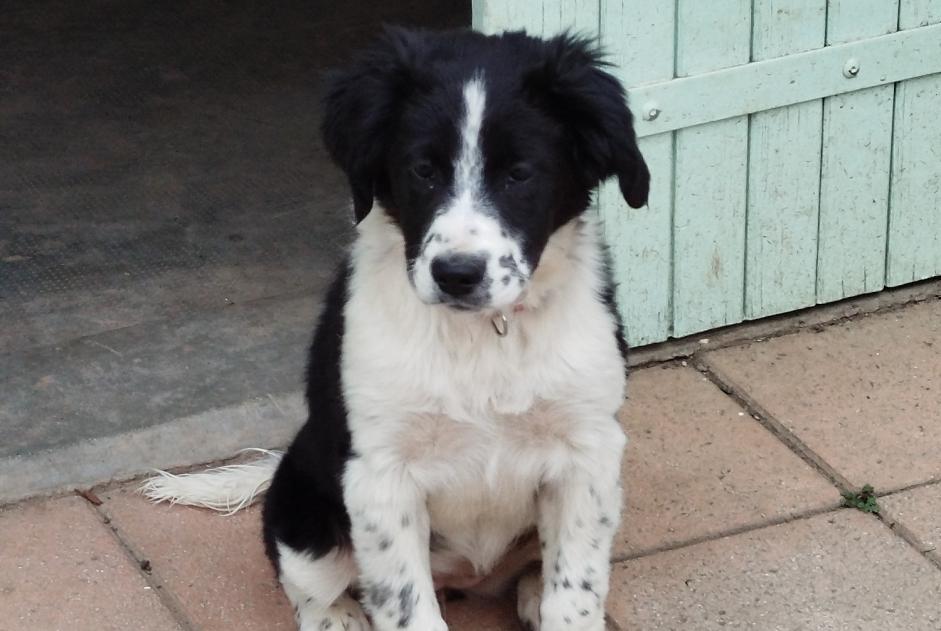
x=479, y=148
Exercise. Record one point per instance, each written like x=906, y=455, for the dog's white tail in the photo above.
x=226, y=489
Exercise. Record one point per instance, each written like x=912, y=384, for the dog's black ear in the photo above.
x=361, y=107
x=571, y=82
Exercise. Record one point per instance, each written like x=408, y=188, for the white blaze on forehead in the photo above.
x=467, y=223
x=469, y=171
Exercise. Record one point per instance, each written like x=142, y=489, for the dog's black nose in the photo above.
x=458, y=274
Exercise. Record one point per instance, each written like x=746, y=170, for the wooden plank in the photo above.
x=640, y=243
x=915, y=210
x=496, y=16
x=544, y=18
x=711, y=177
x=788, y=80
x=914, y=245
x=854, y=193
x=580, y=16
x=849, y=20
x=784, y=171
x=857, y=148
x=785, y=27
x=698, y=49
x=638, y=36
x=916, y=13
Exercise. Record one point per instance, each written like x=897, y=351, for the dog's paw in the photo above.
x=528, y=600
x=571, y=610
x=343, y=615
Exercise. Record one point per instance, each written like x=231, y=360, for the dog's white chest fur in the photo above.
x=477, y=420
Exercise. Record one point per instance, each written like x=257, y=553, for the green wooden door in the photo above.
x=795, y=147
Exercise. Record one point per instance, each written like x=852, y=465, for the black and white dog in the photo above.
x=469, y=362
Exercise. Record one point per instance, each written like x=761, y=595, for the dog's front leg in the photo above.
x=579, y=514
x=391, y=530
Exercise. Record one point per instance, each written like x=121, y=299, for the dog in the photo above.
x=469, y=362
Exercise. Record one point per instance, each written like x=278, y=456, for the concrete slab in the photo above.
x=833, y=572
x=863, y=395
x=137, y=377
x=919, y=512
x=156, y=395
x=697, y=466
x=61, y=570
x=214, y=566
x=217, y=434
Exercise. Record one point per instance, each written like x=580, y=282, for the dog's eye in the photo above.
x=520, y=173
x=423, y=170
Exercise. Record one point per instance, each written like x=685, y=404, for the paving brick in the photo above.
x=919, y=511
x=61, y=569
x=837, y=571
x=863, y=395
x=215, y=566
x=697, y=466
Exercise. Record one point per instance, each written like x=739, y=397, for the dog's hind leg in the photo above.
x=317, y=589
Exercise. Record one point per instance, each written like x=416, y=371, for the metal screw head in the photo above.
x=851, y=68
x=651, y=111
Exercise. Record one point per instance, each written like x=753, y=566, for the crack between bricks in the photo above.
x=152, y=578
x=731, y=532
x=767, y=420
x=905, y=534
x=910, y=487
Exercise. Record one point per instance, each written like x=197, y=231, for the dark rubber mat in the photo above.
x=160, y=165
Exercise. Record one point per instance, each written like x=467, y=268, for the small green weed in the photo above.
x=864, y=500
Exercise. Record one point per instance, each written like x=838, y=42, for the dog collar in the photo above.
x=501, y=323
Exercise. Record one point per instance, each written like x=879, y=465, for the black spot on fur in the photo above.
x=509, y=263
x=406, y=605
x=378, y=595
x=608, y=293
